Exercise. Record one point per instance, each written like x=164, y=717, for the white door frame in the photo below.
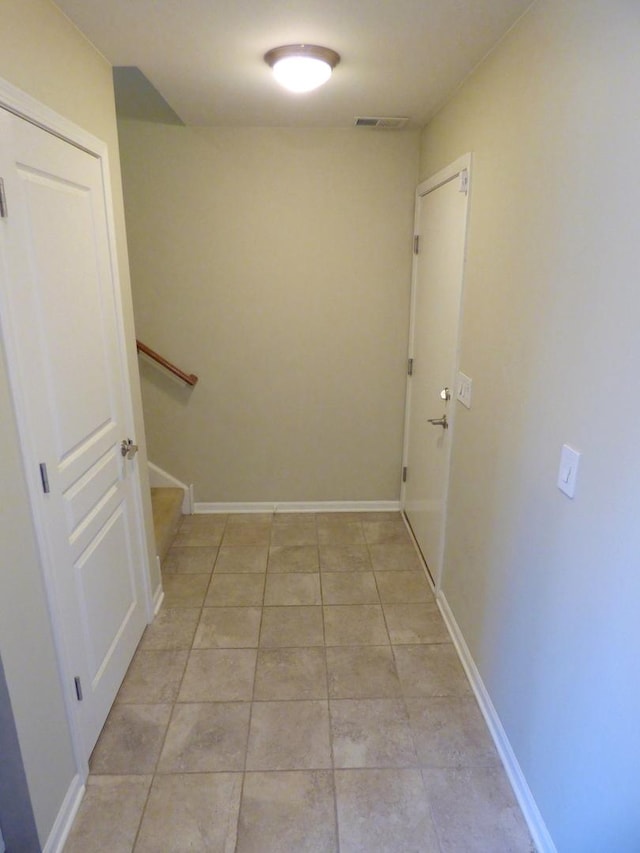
x=441, y=177
x=20, y=104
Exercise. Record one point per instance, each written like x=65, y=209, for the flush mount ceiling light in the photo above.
x=302, y=67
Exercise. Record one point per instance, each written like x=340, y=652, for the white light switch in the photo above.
x=569, y=461
x=463, y=390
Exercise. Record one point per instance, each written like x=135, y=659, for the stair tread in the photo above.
x=166, y=504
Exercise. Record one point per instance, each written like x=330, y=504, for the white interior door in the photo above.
x=61, y=322
x=441, y=207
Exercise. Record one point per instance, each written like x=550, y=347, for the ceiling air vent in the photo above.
x=389, y=122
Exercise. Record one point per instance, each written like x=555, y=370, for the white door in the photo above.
x=61, y=324
x=441, y=207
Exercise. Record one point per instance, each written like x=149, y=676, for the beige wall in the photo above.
x=546, y=589
x=276, y=265
x=48, y=58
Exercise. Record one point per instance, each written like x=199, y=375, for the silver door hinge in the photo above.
x=410, y=367
x=44, y=477
x=464, y=181
x=78, y=685
x=404, y=474
x=416, y=244
x=3, y=201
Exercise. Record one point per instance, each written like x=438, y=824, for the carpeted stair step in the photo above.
x=166, y=504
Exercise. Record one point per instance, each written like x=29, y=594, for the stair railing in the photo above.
x=188, y=378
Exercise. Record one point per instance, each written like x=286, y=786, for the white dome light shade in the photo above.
x=301, y=73
x=302, y=67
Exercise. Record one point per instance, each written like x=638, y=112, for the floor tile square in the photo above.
x=189, y=560
x=250, y=519
x=218, y=675
x=109, y=814
x=184, y=590
x=197, y=811
x=349, y=588
x=384, y=811
x=354, y=625
x=240, y=559
x=431, y=670
x=293, y=558
x=228, y=628
x=289, y=736
x=410, y=624
x=450, y=732
x=295, y=533
x=362, y=672
x=299, y=673
x=403, y=587
x=280, y=519
x=395, y=558
x=341, y=531
x=241, y=590
x=247, y=533
x=291, y=626
x=386, y=532
x=371, y=733
x=344, y=558
x=131, y=740
x=172, y=629
x=200, y=530
x=153, y=676
x=287, y=811
x=206, y=737
x=474, y=810
x=292, y=589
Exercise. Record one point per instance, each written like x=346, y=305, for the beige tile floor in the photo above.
x=297, y=692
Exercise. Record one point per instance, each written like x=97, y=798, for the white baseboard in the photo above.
x=535, y=822
x=159, y=479
x=63, y=822
x=158, y=598
x=299, y=506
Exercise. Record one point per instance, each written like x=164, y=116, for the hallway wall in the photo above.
x=275, y=264
x=545, y=589
x=45, y=56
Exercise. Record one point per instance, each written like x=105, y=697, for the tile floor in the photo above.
x=297, y=692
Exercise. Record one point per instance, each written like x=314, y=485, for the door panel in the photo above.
x=441, y=226
x=69, y=379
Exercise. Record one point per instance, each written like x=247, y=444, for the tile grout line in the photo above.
x=326, y=666
x=253, y=691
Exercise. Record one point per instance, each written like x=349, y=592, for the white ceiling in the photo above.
x=399, y=57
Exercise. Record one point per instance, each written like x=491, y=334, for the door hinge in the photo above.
x=404, y=474
x=410, y=367
x=78, y=685
x=464, y=181
x=3, y=201
x=44, y=477
x=416, y=244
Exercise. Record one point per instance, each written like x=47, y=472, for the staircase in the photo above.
x=166, y=504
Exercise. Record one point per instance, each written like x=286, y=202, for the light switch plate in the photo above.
x=463, y=389
x=568, y=472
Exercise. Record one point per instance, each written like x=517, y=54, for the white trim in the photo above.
x=299, y=506
x=158, y=598
x=437, y=180
x=158, y=478
x=65, y=817
x=526, y=801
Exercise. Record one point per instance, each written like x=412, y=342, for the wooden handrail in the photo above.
x=189, y=378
